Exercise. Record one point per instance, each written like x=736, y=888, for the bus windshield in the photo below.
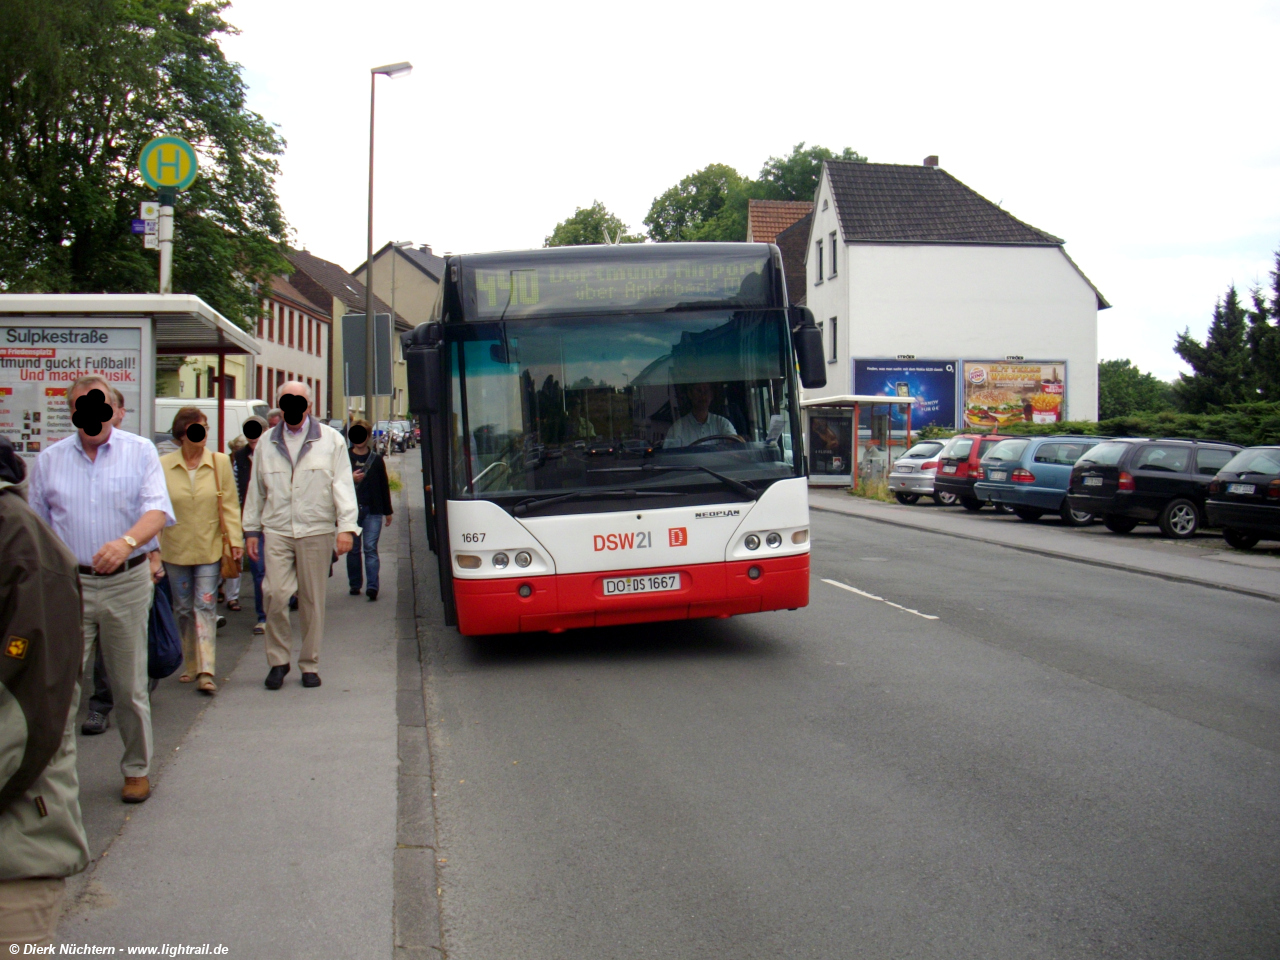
x=649, y=403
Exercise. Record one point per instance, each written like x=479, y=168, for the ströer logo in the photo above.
x=677, y=536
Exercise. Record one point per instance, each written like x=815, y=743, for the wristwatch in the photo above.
x=133, y=544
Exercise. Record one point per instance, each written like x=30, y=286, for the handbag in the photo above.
x=230, y=565
x=164, y=644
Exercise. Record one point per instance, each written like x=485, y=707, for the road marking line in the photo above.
x=872, y=596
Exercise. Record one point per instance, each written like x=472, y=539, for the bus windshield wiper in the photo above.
x=534, y=503
x=735, y=485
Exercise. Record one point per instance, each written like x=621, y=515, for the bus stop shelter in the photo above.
x=48, y=340
x=824, y=435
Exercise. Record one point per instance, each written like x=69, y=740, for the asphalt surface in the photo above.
x=1067, y=762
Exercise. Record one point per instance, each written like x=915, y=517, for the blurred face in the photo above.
x=92, y=413
x=700, y=397
x=294, y=403
x=197, y=435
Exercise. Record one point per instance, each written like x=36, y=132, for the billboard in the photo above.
x=931, y=382
x=998, y=393
x=39, y=362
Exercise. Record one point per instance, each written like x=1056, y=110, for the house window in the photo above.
x=833, y=253
x=835, y=340
x=259, y=393
x=820, y=272
x=320, y=329
x=271, y=323
x=260, y=322
x=291, y=328
x=318, y=403
x=309, y=334
x=279, y=381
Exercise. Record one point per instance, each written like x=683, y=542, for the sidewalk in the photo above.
x=272, y=824
x=1206, y=562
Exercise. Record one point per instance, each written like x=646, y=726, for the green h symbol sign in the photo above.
x=175, y=164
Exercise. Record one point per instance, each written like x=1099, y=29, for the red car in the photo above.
x=959, y=466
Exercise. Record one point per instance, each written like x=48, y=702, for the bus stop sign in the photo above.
x=168, y=163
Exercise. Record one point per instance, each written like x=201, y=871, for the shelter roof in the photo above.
x=183, y=323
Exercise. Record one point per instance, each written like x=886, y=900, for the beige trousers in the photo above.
x=298, y=565
x=29, y=911
x=115, y=612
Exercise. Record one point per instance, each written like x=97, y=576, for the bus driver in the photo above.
x=700, y=421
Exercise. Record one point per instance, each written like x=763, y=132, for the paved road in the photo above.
x=1067, y=762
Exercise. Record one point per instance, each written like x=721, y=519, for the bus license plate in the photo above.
x=654, y=583
x=1240, y=488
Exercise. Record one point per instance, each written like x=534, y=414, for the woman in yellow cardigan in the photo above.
x=192, y=548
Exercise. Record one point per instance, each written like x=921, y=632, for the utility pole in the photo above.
x=164, y=236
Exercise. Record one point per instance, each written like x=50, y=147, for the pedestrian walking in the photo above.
x=203, y=493
x=242, y=465
x=373, y=496
x=42, y=839
x=302, y=498
x=101, y=700
x=103, y=493
x=229, y=589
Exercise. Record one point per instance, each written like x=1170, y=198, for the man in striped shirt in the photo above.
x=103, y=493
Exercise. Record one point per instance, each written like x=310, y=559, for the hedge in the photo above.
x=1248, y=424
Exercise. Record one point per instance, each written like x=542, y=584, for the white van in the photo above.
x=238, y=411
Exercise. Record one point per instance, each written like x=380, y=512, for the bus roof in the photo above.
x=615, y=279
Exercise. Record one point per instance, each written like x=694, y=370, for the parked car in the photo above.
x=381, y=436
x=406, y=432
x=1244, y=498
x=1031, y=474
x=958, y=466
x=1166, y=481
x=238, y=411
x=398, y=438
x=912, y=474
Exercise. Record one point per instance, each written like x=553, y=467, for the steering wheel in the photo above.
x=730, y=437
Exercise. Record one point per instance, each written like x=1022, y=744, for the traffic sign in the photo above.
x=138, y=226
x=168, y=163
x=149, y=210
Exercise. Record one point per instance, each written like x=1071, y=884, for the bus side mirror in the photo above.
x=806, y=338
x=422, y=368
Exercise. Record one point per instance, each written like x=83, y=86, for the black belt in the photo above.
x=128, y=565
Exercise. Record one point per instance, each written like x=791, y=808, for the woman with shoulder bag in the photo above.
x=204, y=546
x=373, y=495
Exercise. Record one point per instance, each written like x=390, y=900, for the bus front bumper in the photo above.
x=567, y=601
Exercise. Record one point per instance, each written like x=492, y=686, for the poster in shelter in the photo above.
x=931, y=382
x=38, y=364
x=1000, y=393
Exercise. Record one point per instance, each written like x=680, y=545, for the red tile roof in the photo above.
x=768, y=218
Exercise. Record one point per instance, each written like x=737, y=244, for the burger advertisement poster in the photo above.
x=998, y=393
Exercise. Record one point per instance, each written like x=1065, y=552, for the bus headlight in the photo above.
x=500, y=560
x=774, y=540
x=523, y=558
x=752, y=542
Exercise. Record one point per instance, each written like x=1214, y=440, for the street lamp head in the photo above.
x=401, y=244
x=394, y=70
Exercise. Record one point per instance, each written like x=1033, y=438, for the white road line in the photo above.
x=872, y=596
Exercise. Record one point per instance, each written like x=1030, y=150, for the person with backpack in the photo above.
x=373, y=495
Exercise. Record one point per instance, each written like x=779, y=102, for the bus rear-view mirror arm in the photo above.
x=806, y=338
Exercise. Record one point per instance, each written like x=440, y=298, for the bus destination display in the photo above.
x=609, y=285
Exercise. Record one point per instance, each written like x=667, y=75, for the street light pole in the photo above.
x=392, y=70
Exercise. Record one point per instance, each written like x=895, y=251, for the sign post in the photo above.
x=168, y=165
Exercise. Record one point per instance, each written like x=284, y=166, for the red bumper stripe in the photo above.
x=569, y=601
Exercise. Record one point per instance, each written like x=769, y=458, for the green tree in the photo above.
x=1220, y=366
x=1124, y=390
x=1263, y=339
x=796, y=177
x=589, y=225
x=710, y=204
x=86, y=83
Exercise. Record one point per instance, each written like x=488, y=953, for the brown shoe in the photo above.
x=136, y=789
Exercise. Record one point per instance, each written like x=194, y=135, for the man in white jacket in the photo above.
x=300, y=495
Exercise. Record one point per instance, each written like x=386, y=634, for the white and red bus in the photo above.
x=611, y=435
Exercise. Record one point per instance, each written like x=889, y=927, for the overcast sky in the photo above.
x=1144, y=134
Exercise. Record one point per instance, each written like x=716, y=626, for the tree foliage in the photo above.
x=86, y=84
x=796, y=177
x=711, y=203
x=1124, y=390
x=1239, y=360
x=589, y=225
